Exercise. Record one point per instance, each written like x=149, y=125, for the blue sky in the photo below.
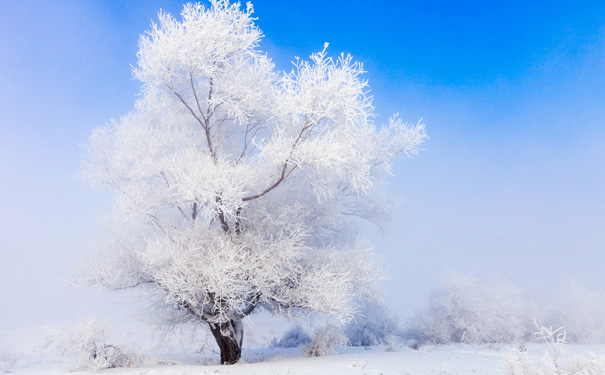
x=511, y=184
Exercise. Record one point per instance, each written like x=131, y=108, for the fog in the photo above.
x=510, y=186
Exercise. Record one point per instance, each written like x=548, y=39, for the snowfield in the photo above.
x=441, y=360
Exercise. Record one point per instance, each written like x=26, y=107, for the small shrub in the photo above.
x=371, y=325
x=517, y=362
x=85, y=342
x=294, y=337
x=553, y=361
x=7, y=360
x=324, y=341
x=588, y=366
x=391, y=343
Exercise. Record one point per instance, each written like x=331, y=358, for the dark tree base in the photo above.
x=229, y=336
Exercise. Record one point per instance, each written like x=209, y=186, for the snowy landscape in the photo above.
x=472, y=359
x=431, y=359
x=302, y=188
x=498, y=339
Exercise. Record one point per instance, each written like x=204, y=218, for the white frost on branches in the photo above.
x=86, y=343
x=555, y=361
x=465, y=310
x=238, y=186
x=580, y=310
x=324, y=341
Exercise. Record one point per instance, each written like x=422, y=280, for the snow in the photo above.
x=439, y=360
x=428, y=360
x=448, y=359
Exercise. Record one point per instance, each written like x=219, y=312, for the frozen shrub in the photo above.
x=520, y=363
x=371, y=325
x=85, y=342
x=391, y=343
x=554, y=361
x=324, y=341
x=580, y=310
x=465, y=310
x=517, y=362
x=7, y=360
x=294, y=337
x=595, y=365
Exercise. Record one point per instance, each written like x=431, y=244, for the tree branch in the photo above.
x=251, y=305
x=237, y=220
x=283, y=174
x=194, y=211
x=221, y=215
x=177, y=206
x=195, y=96
x=139, y=282
x=203, y=122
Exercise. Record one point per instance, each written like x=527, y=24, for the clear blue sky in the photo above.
x=511, y=184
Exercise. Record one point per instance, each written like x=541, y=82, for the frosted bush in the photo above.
x=595, y=365
x=580, y=310
x=371, y=325
x=7, y=360
x=517, y=363
x=294, y=337
x=465, y=310
x=324, y=341
x=85, y=343
x=554, y=361
x=391, y=343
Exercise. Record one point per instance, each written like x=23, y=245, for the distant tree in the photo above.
x=466, y=310
x=372, y=325
x=238, y=187
x=580, y=310
x=292, y=338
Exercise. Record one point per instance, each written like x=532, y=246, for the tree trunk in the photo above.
x=229, y=336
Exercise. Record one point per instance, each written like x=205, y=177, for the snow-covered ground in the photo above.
x=439, y=360
x=442, y=360
x=19, y=354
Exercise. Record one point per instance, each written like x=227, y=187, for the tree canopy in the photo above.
x=237, y=186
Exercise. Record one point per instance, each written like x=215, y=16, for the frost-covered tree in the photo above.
x=467, y=310
x=292, y=338
x=371, y=325
x=580, y=310
x=237, y=186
